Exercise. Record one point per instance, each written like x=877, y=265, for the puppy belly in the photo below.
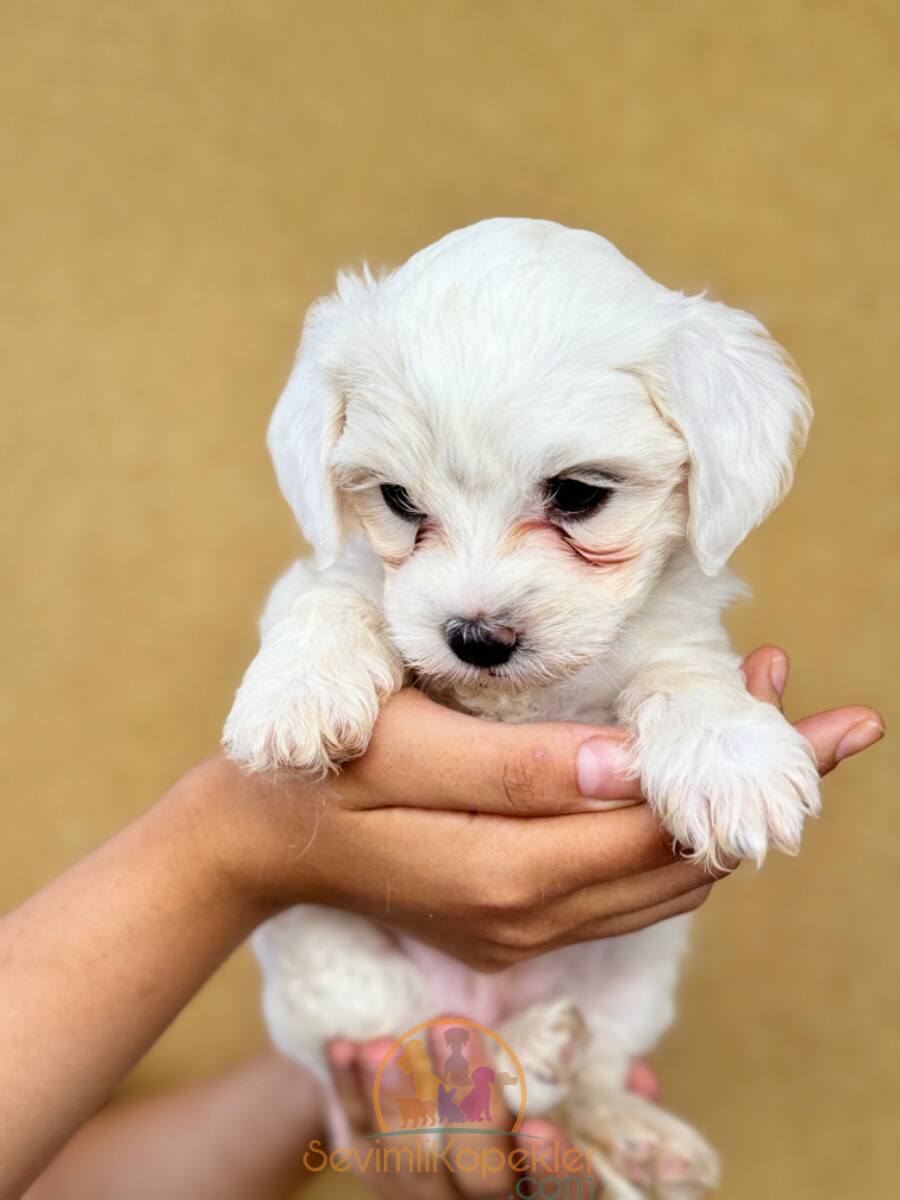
x=457, y=990
x=622, y=987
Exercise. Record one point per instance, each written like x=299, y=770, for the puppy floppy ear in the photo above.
x=744, y=412
x=307, y=422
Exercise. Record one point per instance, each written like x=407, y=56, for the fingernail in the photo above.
x=602, y=762
x=778, y=673
x=866, y=733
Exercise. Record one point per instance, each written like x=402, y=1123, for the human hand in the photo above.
x=544, y=1151
x=488, y=841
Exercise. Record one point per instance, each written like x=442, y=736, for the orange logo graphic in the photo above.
x=450, y=1075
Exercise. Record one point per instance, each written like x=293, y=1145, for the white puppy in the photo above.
x=523, y=466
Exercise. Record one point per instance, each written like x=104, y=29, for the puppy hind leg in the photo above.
x=329, y=975
x=549, y=1039
x=641, y=1145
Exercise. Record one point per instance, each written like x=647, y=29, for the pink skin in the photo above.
x=422, y=533
x=612, y=556
x=599, y=558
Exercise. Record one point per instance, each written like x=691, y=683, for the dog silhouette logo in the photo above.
x=449, y=1075
x=456, y=1066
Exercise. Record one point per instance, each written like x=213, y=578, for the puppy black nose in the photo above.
x=481, y=644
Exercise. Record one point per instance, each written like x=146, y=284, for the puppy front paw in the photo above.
x=309, y=710
x=293, y=727
x=730, y=783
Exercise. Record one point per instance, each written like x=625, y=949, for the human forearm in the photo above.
x=257, y=1119
x=96, y=965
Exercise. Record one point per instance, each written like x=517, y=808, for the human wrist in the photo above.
x=247, y=827
x=229, y=839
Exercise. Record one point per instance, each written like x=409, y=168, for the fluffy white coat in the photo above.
x=505, y=357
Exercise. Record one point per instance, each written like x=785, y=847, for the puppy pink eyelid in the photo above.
x=613, y=556
x=609, y=556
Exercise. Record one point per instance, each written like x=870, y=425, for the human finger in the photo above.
x=840, y=733
x=633, y=894
x=766, y=672
x=342, y=1064
x=571, y=852
x=399, y=1181
x=492, y=1179
x=643, y=1080
x=640, y=919
x=469, y=764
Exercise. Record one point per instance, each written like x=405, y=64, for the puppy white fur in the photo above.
x=521, y=439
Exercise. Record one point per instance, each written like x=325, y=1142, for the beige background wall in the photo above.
x=180, y=179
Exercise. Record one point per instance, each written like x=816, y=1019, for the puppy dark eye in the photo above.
x=575, y=498
x=398, y=501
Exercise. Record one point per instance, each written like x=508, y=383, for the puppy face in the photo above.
x=517, y=534
x=524, y=427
